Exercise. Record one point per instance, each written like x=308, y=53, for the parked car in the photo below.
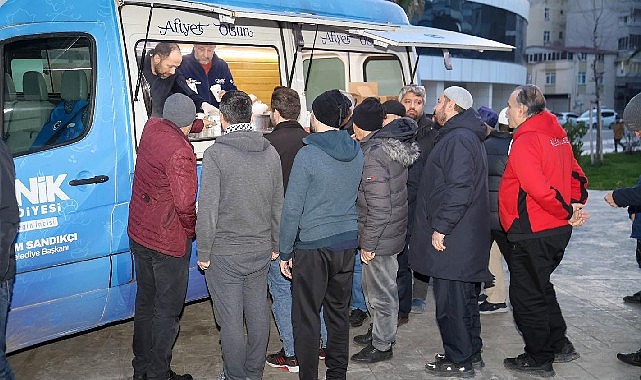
x=565, y=117
x=608, y=117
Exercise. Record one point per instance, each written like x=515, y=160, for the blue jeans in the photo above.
x=161, y=290
x=281, y=290
x=358, y=298
x=6, y=289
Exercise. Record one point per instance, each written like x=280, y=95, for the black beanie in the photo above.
x=331, y=107
x=394, y=107
x=369, y=115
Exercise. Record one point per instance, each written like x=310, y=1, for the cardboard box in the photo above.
x=362, y=90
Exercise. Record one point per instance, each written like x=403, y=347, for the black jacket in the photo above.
x=287, y=137
x=453, y=200
x=9, y=214
x=425, y=137
x=156, y=89
x=382, y=193
x=497, y=145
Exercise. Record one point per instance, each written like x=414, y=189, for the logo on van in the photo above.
x=43, y=189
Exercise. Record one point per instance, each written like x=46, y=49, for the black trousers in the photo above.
x=458, y=318
x=404, y=283
x=322, y=277
x=536, y=310
x=161, y=290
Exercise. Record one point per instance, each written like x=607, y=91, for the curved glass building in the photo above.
x=490, y=76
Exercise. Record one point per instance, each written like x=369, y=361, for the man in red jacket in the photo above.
x=541, y=196
x=162, y=222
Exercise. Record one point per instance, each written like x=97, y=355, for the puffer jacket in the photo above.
x=162, y=211
x=382, y=193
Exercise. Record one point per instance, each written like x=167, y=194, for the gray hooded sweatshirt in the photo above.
x=241, y=197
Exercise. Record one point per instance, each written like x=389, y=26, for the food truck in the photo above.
x=74, y=267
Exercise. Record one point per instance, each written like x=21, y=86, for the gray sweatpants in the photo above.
x=381, y=294
x=238, y=288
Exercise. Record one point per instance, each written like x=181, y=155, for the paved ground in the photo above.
x=599, y=268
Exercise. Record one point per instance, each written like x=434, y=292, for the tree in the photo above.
x=411, y=7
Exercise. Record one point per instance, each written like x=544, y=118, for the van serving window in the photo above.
x=47, y=91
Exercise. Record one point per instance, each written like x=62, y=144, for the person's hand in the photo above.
x=203, y=265
x=275, y=255
x=579, y=216
x=286, y=268
x=367, y=256
x=438, y=241
x=608, y=198
x=209, y=109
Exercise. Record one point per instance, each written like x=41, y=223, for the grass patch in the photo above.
x=617, y=170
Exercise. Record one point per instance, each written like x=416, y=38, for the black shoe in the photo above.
x=482, y=298
x=633, y=358
x=402, y=321
x=491, y=308
x=445, y=368
x=174, y=376
x=476, y=360
x=365, y=339
x=370, y=354
x=635, y=298
x=525, y=364
x=357, y=317
x=567, y=354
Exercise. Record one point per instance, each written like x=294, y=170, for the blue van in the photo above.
x=74, y=176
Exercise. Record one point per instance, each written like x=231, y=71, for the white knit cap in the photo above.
x=460, y=96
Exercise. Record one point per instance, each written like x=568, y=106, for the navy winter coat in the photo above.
x=453, y=200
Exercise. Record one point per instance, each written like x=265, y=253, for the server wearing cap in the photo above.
x=319, y=235
x=451, y=237
x=162, y=221
x=541, y=197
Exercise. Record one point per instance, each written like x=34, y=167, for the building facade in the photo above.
x=489, y=76
x=575, y=47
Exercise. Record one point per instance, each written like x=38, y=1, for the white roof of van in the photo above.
x=380, y=20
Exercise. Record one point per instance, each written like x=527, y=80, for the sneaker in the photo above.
x=357, y=317
x=633, y=358
x=418, y=305
x=321, y=353
x=445, y=368
x=635, y=298
x=279, y=360
x=476, y=360
x=567, y=354
x=370, y=354
x=491, y=308
x=482, y=298
x=174, y=376
x=365, y=339
x=525, y=364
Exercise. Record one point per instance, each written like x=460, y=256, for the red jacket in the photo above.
x=162, y=212
x=541, y=180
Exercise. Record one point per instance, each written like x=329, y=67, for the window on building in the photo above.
x=550, y=77
x=580, y=79
x=45, y=77
x=546, y=13
x=561, y=35
x=546, y=37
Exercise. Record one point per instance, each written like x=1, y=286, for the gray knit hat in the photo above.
x=180, y=110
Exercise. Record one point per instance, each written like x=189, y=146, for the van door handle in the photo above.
x=87, y=181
